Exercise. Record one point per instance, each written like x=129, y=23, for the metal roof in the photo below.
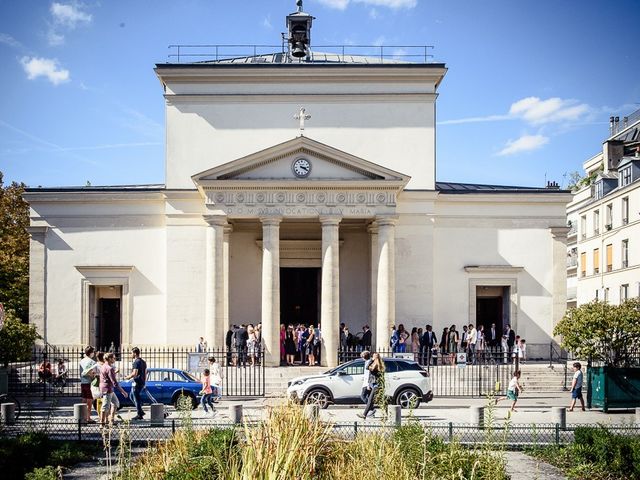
x=451, y=187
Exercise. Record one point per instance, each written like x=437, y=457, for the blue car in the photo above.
x=165, y=385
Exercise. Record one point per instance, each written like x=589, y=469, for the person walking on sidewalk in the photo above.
x=376, y=369
x=138, y=375
x=513, y=391
x=207, y=392
x=576, y=386
x=87, y=374
x=364, y=394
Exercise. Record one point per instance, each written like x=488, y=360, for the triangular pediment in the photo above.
x=276, y=164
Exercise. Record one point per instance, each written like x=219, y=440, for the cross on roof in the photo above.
x=302, y=116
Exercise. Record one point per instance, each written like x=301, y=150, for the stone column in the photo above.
x=38, y=280
x=386, y=286
x=330, y=290
x=271, y=289
x=225, y=258
x=559, y=293
x=214, y=294
x=373, y=280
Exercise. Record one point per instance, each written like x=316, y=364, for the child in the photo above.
x=576, y=386
x=206, y=392
x=523, y=350
x=513, y=390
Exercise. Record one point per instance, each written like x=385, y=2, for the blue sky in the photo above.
x=530, y=87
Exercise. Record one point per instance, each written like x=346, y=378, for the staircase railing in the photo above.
x=558, y=356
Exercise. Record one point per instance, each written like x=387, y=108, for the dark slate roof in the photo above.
x=105, y=188
x=461, y=188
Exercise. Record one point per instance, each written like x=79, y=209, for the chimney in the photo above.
x=611, y=125
x=552, y=185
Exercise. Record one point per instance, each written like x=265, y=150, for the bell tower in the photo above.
x=299, y=29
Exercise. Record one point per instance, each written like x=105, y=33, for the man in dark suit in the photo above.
x=511, y=338
x=427, y=344
x=228, y=342
x=366, y=338
x=241, y=345
x=492, y=336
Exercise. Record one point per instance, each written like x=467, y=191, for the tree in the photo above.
x=16, y=340
x=602, y=332
x=14, y=249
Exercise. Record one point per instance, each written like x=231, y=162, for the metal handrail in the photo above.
x=217, y=52
x=559, y=358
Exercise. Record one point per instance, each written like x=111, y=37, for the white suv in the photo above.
x=406, y=384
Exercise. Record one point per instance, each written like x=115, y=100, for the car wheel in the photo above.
x=318, y=397
x=408, y=398
x=176, y=399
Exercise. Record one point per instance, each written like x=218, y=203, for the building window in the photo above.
x=596, y=260
x=583, y=226
x=597, y=294
x=625, y=210
x=596, y=222
x=625, y=253
x=609, y=219
x=624, y=292
x=625, y=176
x=583, y=264
x=599, y=189
x=609, y=257
x=606, y=295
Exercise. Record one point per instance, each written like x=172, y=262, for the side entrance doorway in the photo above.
x=492, y=307
x=300, y=296
x=107, y=305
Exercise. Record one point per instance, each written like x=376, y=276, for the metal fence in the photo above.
x=243, y=374
x=456, y=375
x=509, y=436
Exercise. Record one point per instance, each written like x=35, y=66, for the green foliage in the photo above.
x=35, y=450
x=577, y=181
x=14, y=249
x=596, y=454
x=602, y=331
x=45, y=473
x=16, y=340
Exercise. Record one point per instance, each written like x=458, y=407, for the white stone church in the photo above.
x=332, y=216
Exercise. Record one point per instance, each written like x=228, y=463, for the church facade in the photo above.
x=333, y=216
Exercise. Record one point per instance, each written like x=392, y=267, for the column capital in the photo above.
x=330, y=219
x=386, y=220
x=271, y=221
x=216, y=220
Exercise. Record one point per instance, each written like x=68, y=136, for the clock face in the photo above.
x=301, y=167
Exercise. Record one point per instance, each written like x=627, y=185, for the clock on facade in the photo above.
x=301, y=167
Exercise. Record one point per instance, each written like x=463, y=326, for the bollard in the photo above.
x=477, y=416
x=559, y=417
x=80, y=412
x=8, y=412
x=395, y=414
x=312, y=412
x=235, y=413
x=157, y=414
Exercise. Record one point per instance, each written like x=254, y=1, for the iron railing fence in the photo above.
x=319, y=53
x=508, y=436
x=484, y=373
x=243, y=373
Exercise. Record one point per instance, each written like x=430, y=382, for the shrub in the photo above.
x=46, y=473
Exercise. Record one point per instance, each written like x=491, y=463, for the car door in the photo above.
x=155, y=385
x=392, y=377
x=347, y=381
x=174, y=382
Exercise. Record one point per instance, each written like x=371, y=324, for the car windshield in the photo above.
x=190, y=377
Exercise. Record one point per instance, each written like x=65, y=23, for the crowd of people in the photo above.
x=474, y=341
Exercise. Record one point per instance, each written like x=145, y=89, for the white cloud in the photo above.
x=69, y=15
x=266, y=22
x=537, y=111
x=44, y=67
x=390, y=3
x=394, y=4
x=9, y=40
x=373, y=14
x=337, y=4
x=66, y=16
x=525, y=143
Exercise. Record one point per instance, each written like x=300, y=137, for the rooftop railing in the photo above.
x=319, y=53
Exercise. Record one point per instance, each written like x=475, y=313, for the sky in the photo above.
x=527, y=97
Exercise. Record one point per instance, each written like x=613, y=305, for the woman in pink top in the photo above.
x=206, y=392
x=108, y=384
